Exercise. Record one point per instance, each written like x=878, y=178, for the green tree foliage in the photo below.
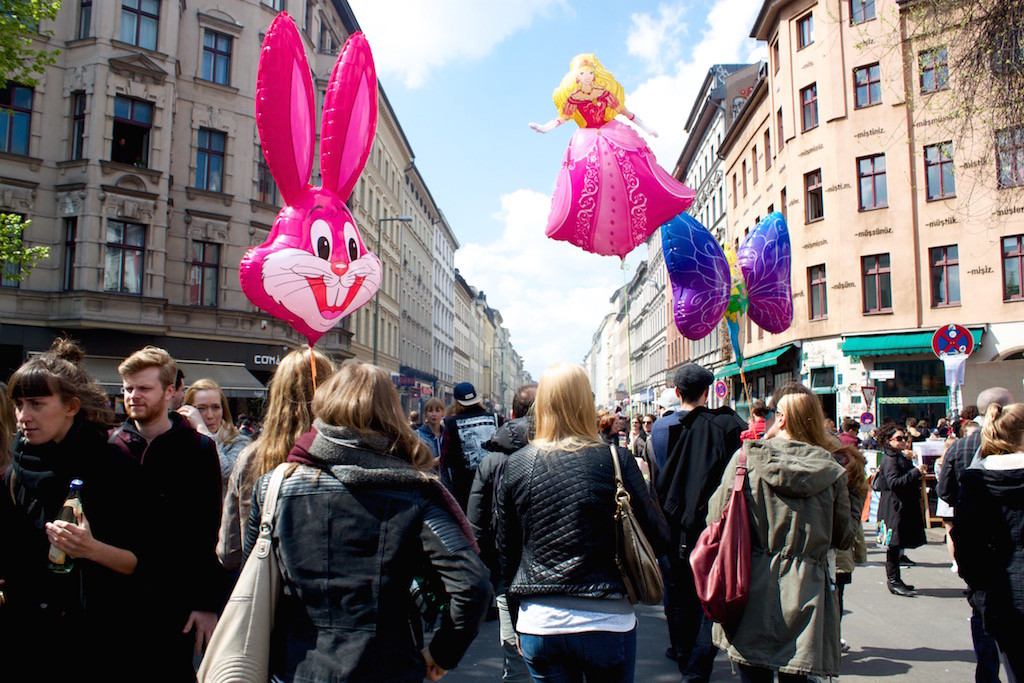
x=21, y=59
x=18, y=259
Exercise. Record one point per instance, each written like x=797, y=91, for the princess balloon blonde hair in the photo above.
x=602, y=79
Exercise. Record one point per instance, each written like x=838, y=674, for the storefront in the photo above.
x=415, y=388
x=917, y=387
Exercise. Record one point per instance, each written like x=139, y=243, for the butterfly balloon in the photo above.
x=704, y=287
x=314, y=269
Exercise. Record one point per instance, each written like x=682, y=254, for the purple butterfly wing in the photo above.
x=765, y=259
x=699, y=274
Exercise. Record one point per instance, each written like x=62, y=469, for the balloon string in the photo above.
x=629, y=350
x=312, y=367
x=743, y=381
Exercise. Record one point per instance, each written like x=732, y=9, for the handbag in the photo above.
x=720, y=560
x=634, y=555
x=239, y=649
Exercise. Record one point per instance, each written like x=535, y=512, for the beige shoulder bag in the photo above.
x=634, y=555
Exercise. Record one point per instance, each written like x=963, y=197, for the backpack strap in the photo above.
x=741, y=471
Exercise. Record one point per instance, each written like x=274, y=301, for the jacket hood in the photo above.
x=793, y=468
x=511, y=436
x=1005, y=485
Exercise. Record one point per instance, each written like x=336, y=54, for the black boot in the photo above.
x=897, y=587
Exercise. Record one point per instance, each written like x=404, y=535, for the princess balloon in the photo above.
x=610, y=194
x=313, y=270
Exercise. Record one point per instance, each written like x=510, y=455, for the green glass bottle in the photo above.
x=58, y=561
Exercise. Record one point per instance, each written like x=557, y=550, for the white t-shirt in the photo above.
x=550, y=615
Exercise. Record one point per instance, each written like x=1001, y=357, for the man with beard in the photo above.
x=180, y=466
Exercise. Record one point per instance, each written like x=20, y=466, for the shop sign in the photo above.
x=426, y=392
x=406, y=381
x=266, y=360
x=882, y=374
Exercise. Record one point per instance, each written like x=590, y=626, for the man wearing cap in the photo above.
x=699, y=444
x=462, y=441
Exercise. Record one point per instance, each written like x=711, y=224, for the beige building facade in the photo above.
x=900, y=224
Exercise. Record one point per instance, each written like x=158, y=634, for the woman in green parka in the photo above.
x=800, y=509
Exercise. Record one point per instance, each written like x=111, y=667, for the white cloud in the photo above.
x=551, y=295
x=411, y=38
x=664, y=101
x=657, y=40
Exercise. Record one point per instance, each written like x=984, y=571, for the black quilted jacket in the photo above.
x=556, y=528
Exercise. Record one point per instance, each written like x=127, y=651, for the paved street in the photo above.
x=907, y=639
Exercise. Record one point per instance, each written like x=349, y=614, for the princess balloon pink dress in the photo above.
x=610, y=194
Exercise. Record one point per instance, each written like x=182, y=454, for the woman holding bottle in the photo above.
x=63, y=580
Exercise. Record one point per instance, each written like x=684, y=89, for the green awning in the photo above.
x=896, y=344
x=758, y=362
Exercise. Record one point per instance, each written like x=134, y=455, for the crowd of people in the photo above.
x=395, y=539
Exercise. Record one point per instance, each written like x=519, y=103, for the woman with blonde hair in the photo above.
x=288, y=416
x=988, y=531
x=206, y=407
x=359, y=516
x=433, y=426
x=800, y=509
x=556, y=539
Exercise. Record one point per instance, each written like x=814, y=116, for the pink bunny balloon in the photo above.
x=313, y=270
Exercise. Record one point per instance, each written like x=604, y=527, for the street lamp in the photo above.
x=376, y=297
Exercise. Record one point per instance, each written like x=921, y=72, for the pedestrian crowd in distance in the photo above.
x=396, y=538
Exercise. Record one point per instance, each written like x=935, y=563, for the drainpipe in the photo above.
x=908, y=85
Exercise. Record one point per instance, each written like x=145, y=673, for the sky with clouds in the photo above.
x=466, y=76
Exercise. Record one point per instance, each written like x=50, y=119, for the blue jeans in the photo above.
x=601, y=656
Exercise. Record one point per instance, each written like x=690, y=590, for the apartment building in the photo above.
x=445, y=246
x=900, y=223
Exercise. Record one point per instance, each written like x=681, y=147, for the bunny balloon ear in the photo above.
x=350, y=117
x=285, y=111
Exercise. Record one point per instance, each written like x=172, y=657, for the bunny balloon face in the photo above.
x=313, y=270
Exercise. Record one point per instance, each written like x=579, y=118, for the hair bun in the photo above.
x=67, y=349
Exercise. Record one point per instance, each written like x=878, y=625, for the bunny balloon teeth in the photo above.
x=314, y=269
x=704, y=287
x=610, y=194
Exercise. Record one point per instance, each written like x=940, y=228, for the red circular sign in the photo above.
x=721, y=389
x=867, y=419
x=950, y=339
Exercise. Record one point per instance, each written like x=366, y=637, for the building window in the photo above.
x=265, y=185
x=216, y=57
x=861, y=11
x=70, y=242
x=308, y=26
x=276, y=5
x=126, y=244
x=867, y=86
x=210, y=160
x=809, y=107
x=15, y=119
x=816, y=285
x=735, y=191
x=11, y=271
x=945, y=271
x=202, y=281
x=139, y=22
x=776, y=61
x=780, y=139
x=84, y=19
x=767, y=150
x=327, y=43
x=744, y=169
x=78, y=125
x=805, y=31
x=871, y=177
x=938, y=165
x=753, y=164
x=782, y=204
x=1010, y=157
x=934, y=67
x=1013, y=268
x=132, y=122
x=813, y=197
x=877, y=284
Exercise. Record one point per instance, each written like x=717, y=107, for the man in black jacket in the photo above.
x=699, y=447
x=462, y=441
x=182, y=471
x=482, y=515
x=954, y=463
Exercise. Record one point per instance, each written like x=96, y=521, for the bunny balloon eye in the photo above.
x=320, y=239
x=352, y=241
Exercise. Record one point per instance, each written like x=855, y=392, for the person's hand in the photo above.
x=73, y=539
x=195, y=418
x=434, y=672
x=204, y=623
x=923, y=468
